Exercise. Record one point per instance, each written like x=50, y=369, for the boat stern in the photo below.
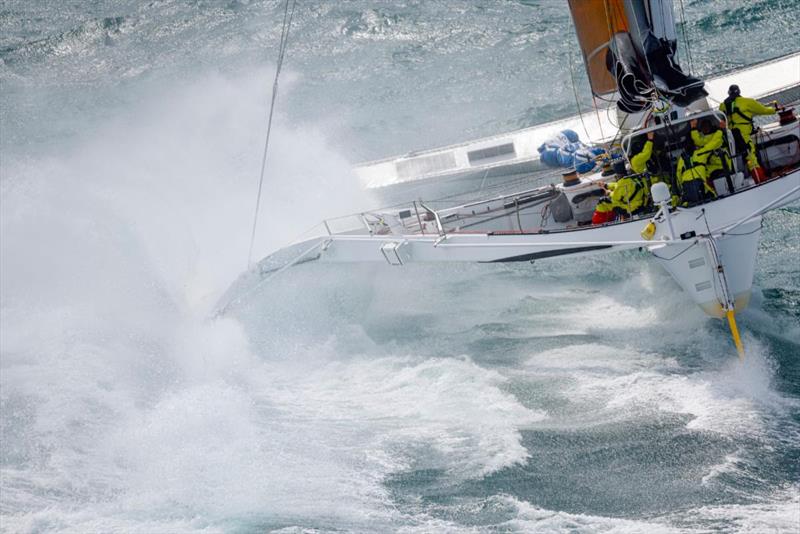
x=716, y=273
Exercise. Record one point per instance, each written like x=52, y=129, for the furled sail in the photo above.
x=629, y=48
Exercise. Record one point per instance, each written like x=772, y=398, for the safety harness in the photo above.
x=731, y=108
x=704, y=151
x=739, y=142
x=689, y=163
x=638, y=187
x=721, y=153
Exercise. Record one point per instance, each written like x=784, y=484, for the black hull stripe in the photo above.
x=550, y=253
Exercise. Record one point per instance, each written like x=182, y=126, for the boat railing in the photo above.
x=355, y=223
x=444, y=215
x=405, y=219
x=437, y=219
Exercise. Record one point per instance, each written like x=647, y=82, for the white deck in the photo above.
x=516, y=151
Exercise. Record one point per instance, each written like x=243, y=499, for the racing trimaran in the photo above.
x=709, y=249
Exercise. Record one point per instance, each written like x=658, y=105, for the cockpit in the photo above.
x=699, y=147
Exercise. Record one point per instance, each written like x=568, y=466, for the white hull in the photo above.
x=695, y=267
x=710, y=249
x=489, y=247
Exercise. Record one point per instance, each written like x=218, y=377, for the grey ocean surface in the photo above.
x=581, y=395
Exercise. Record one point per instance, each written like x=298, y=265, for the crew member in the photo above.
x=649, y=161
x=630, y=194
x=639, y=161
x=711, y=148
x=740, y=112
x=604, y=211
x=692, y=175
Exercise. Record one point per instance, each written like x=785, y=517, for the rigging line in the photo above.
x=599, y=122
x=483, y=181
x=617, y=139
x=684, y=31
x=575, y=92
x=285, y=27
x=611, y=29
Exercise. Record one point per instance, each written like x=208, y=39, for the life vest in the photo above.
x=706, y=144
x=629, y=196
x=712, y=150
x=740, y=111
x=732, y=111
x=690, y=169
x=692, y=179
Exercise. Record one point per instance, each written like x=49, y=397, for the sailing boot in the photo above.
x=758, y=174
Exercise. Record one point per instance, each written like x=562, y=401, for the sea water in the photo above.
x=578, y=395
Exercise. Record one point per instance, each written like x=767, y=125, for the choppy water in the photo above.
x=579, y=395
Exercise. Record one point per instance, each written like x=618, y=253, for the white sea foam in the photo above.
x=626, y=383
x=779, y=512
x=118, y=394
x=450, y=407
x=138, y=413
x=529, y=518
x=782, y=514
x=630, y=371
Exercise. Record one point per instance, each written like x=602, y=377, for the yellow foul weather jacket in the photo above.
x=707, y=145
x=740, y=112
x=695, y=171
x=639, y=161
x=639, y=164
x=629, y=195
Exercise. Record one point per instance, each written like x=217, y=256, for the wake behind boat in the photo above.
x=703, y=227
